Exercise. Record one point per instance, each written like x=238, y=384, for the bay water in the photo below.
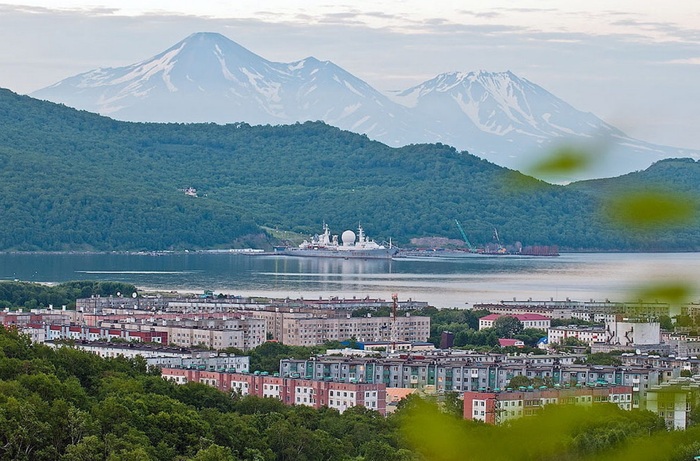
x=441, y=281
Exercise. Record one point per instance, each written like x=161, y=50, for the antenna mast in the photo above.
x=394, y=333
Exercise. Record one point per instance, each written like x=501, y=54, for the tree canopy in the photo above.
x=507, y=326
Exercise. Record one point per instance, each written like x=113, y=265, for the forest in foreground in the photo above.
x=70, y=405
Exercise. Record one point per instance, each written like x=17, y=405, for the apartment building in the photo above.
x=674, y=401
x=214, y=333
x=537, y=321
x=309, y=329
x=500, y=407
x=589, y=335
x=163, y=356
x=291, y=391
x=479, y=372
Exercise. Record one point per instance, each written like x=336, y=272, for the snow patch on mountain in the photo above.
x=208, y=78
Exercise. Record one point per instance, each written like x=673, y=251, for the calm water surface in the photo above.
x=444, y=282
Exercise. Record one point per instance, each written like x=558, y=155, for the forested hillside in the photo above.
x=680, y=174
x=74, y=180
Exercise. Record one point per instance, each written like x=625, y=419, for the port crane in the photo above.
x=464, y=236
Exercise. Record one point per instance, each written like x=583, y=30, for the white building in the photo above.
x=537, y=321
x=623, y=332
x=588, y=335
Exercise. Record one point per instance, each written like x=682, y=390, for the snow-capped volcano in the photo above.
x=500, y=104
x=513, y=122
x=209, y=78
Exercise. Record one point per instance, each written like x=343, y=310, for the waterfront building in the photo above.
x=293, y=322
x=100, y=304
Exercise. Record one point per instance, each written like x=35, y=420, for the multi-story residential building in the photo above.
x=477, y=372
x=683, y=345
x=309, y=329
x=593, y=316
x=551, y=312
x=502, y=406
x=215, y=333
x=291, y=391
x=293, y=322
x=588, y=335
x=41, y=332
x=592, y=311
x=163, y=356
x=96, y=304
x=674, y=400
x=332, y=304
x=537, y=321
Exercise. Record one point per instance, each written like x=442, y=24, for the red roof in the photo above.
x=505, y=342
x=490, y=317
x=522, y=317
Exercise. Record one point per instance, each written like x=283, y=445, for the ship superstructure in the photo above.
x=350, y=246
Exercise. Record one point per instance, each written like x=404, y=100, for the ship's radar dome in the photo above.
x=348, y=237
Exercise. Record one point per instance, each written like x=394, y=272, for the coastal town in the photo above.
x=384, y=358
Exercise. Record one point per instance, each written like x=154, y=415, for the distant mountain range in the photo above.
x=497, y=116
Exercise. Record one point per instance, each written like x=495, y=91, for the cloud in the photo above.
x=686, y=61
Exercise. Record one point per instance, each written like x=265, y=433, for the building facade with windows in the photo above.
x=291, y=391
x=589, y=335
x=674, y=401
x=536, y=321
x=500, y=407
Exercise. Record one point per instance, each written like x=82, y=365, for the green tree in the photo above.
x=507, y=326
x=519, y=381
x=90, y=448
x=214, y=453
x=666, y=322
x=453, y=404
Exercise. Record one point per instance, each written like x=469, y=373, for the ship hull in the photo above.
x=379, y=253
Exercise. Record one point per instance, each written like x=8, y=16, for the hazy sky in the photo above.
x=634, y=63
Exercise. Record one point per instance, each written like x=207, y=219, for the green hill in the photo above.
x=680, y=174
x=74, y=180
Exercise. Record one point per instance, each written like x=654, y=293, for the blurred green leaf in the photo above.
x=652, y=209
x=673, y=293
x=557, y=432
x=563, y=160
